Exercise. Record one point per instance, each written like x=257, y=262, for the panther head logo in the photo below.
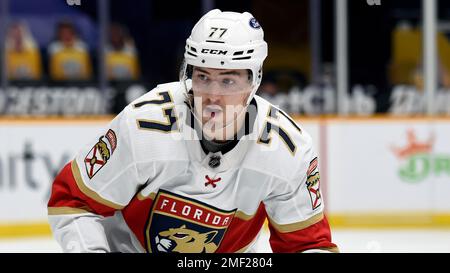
x=103, y=149
x=183, y=240
x=313, y=180
x=313, y=185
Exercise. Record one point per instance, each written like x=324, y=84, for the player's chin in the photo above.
x=214, y=133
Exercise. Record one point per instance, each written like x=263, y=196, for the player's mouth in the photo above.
x=211, y=111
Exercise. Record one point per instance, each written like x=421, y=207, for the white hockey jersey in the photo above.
x=147, y=185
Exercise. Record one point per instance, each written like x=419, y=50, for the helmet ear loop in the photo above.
x=256, y=81
x=186, y=71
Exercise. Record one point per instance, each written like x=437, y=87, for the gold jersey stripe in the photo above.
x=241, y=215
x=142, y=197
x=331, y=249
x=88, y=192
x=297, y=226
x=65, y=210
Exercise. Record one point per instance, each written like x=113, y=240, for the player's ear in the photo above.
x=249, y=75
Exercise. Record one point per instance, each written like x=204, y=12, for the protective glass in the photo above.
x=224, y=83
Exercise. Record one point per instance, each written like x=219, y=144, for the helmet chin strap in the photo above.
x=252, y=94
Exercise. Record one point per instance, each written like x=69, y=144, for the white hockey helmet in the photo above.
x=227, y=40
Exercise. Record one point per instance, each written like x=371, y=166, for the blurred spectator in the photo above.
x=69, y=57
x=268, y=89
x=282, y=87
x=407, y=62
x=328, y=75
x=121, y=56
x=23, y=56
x=442, y=75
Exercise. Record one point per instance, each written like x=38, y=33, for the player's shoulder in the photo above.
x=150, y=103
x=282, y=143
x=150, y=122
x=152, y=112
x=284, y=123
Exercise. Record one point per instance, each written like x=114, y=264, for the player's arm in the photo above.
x=296, y=211
x=101, y=179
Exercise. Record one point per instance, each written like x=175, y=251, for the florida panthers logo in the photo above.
x=313, y=184
x=183, y=225
x=183, y=240
x=99, y=155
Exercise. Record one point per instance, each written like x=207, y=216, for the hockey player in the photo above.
x=197, y=165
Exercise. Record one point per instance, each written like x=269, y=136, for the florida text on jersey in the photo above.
x=147, y=185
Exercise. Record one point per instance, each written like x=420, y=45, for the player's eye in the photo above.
x=228, y=81
x=202, y=77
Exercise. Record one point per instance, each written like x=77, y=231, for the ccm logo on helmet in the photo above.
x=214, y=51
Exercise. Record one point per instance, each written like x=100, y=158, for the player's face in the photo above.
x=220, y=94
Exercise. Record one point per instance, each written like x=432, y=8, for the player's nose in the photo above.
x=213, y=98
